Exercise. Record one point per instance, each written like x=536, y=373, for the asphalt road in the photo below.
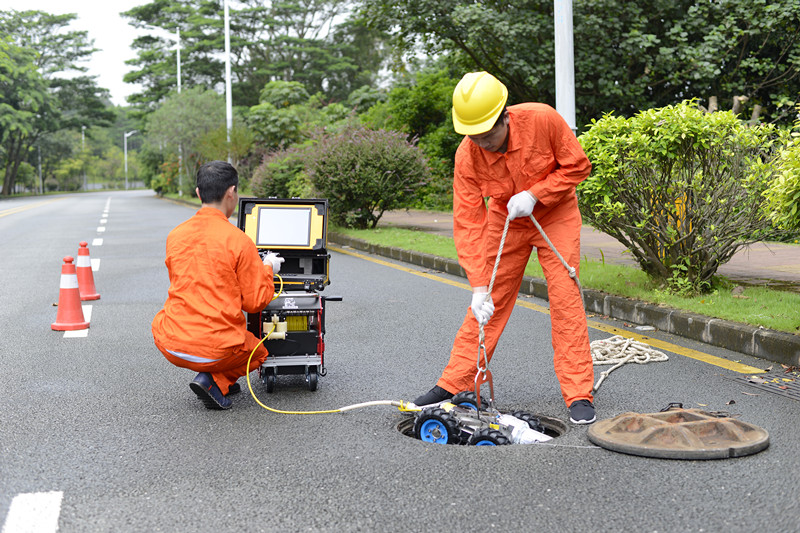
x=105, y=422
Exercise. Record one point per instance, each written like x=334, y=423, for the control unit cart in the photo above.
x=294, y=322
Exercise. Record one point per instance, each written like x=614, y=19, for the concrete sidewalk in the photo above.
x=771, y=264
x=761, y=264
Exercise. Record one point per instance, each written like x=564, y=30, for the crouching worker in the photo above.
x=215, y=272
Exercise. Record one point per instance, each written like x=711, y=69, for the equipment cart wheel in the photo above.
x=533, y=421
x=468, y=400
x=488, y=437
x=269, y=379
x=434, y=424
x=311, y=378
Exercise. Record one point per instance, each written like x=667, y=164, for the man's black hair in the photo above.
x=503, y=113
x=213, y=179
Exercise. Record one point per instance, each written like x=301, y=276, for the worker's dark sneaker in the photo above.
x=581, y=412
x=208, y=392
x=234, y=389
x=435, y=395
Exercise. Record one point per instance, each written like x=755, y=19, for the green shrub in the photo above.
x=283, y=174
x=681, y=189
x=364, y=172
x=423, y=111
x=783, y=197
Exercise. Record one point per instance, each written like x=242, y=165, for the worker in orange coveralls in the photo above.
x=526, y=159
x=215, y=272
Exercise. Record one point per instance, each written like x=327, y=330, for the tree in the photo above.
x=681, y=189
x=180, y=124
x=23, y=97
x=295, y=40
x=422, y=110
x=628, y=55
x=55, y=101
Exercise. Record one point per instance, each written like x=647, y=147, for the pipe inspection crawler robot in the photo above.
x=463, y=420
x=294, y=321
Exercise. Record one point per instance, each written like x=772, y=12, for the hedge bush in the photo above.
x=364, y=172
x=683, y=190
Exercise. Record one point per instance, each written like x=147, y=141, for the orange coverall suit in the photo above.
x=215, y=272
x=543, y=157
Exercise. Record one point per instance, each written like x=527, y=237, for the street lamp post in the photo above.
x=177, y=39
x=565, y=62
x=83, y=147
x=125, y=144
x=228, y=98
x=178, y=49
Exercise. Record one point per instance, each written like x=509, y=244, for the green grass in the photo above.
x=757, y=306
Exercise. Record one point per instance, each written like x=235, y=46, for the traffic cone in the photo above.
x=70, y=313
x=85, y=276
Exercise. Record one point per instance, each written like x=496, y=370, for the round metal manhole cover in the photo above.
x=679, y=434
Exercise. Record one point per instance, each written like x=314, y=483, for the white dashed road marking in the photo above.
x=35, y=512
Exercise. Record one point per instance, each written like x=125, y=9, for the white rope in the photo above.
x=570, y=269
x=618, y=350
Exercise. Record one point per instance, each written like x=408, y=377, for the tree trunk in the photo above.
x=12, y=164
x=738, y=104
x=756, y=114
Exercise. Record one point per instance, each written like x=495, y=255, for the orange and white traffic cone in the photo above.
x=70, y=313
x=85, y=276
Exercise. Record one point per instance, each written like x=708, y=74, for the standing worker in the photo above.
x=526, y=159
x=215, y=272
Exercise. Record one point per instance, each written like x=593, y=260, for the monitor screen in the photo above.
x=283, y=226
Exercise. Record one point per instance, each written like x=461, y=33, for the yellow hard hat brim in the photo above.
x=474, y=129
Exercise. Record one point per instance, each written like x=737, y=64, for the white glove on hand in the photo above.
x=521, y=205
x=482, y=307
x=274, y=260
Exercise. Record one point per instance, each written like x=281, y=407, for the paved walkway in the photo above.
x=772, y=264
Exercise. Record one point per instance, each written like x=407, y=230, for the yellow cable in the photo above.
x=280, y=290
x=403, y=406
x=253, y=394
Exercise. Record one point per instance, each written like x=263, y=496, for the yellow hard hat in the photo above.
x=478, y=100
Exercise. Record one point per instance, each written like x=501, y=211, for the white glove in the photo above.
x=521, y=205
x=274, y=260
x=482, y=307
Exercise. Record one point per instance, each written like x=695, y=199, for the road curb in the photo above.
x=775, y=346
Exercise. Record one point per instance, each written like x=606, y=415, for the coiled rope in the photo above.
x=618, y=350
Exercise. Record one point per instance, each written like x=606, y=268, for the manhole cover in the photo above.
x=679, y=434
x=784, y=383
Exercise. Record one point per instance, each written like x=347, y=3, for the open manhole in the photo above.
x=459, y=422
x=679, y=434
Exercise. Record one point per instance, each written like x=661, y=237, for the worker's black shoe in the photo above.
x=435, y=395
x=582, y=412
x=234, y=389
x=208, y=392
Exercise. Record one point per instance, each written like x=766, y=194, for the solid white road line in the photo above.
x=35, y=512
x=80, y=333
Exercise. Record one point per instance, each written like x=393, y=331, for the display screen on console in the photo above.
x=283, y=226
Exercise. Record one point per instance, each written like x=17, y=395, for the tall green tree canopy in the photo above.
x=181, y=123
x=307, y=41
x=628, y=55
x=40, y=95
